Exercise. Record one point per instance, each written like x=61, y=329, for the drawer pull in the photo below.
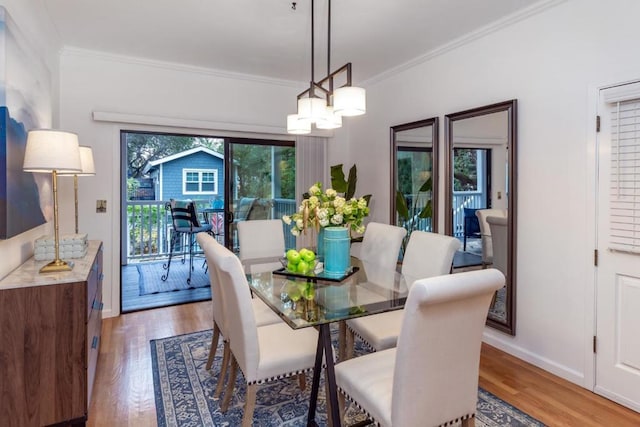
x=94, y=342
x=101, y=305
x=94, y=267
x=101, y=276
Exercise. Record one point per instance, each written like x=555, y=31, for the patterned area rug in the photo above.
x=151, y=282
x=184, y=393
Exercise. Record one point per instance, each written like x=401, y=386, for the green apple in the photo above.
x=293, y=256
x=292, y=267
x=303, y=266
x=308, y=256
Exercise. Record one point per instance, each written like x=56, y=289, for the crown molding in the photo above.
x=106, y=56
x=466, y=39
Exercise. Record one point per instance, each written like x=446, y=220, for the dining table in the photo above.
x=320, y=299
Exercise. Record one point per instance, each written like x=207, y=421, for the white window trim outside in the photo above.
x=200, y=172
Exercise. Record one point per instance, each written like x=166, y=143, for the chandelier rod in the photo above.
x=312, y=47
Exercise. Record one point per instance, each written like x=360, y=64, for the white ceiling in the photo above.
x=268, y=38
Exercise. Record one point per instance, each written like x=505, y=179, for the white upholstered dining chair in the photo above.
x=485, y=231
x=427, y=255
x=262, y=238
x=263, y=314
x=381, y=244
x=431, y=377
x=262, y=353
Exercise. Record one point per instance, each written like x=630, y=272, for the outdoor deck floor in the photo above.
x=133, y=301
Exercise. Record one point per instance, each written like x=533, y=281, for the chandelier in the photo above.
x=324, y=103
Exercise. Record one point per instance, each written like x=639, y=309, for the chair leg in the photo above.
x=214, y=345
x=469, y=422
x=231, y=382
x=342, y=340
x=464, y=245
x=249, y=405
x=172, y=245
x=350, y=344
x=302, y=381
x=223, y=370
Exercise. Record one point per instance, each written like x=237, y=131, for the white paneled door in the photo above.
x=618, y=242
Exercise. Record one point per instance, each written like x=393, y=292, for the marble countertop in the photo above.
x=27, y=274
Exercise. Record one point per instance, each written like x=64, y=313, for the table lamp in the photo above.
x=88, y=169
x=53, y=151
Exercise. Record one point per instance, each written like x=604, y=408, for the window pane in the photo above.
x=207, y=177
x=208, y=186
x=191, y=186
x=192, y=177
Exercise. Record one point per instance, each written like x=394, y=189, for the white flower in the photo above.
x=323, y=213
x=339, y=210
x=331, y=192
x=339, y=202
x=313, y=200
x=286, y=219
x=295, y=231
x=336, y=219
x=360, y=229
x=347, y=210
x=324, y=222
x=300, y=224
x=362, y=203
x=314, y=190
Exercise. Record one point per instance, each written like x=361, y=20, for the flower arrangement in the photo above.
x=327, y=208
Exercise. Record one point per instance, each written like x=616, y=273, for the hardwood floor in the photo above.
x=123, y=390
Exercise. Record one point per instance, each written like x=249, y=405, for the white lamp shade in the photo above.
x=298, y=126
x=48, y=150
x=349, y=101
x=86, y=160
x=330, y=121
x=312, y=109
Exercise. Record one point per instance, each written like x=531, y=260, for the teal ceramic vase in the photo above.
x=336, y=250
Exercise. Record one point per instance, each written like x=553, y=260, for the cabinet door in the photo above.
x=43, y=337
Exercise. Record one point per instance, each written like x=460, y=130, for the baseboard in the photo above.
x=617, y=398
x=492, y=338
x=109, y=313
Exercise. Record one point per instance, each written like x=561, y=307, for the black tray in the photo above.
x=317, y=276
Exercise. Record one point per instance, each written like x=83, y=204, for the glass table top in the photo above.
x=309, y=301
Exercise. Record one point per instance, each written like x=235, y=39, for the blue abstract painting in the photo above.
x=25, y=104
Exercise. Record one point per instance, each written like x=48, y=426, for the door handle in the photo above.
x=230, y=217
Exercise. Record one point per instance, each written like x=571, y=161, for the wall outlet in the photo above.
x=101, y=206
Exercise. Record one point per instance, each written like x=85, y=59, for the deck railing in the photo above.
x=149, y=227
x=461, y=200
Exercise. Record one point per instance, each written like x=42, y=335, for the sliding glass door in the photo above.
x=260, y=183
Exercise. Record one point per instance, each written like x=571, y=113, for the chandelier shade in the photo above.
x=330, y=121
x=298, y=126
x=349, y=101
x=312, y=109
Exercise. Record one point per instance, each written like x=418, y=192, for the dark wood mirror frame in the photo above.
x=509, y=325
x=433, y=122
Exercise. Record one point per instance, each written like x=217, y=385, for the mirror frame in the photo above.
x=509, y=326
x=434, y=123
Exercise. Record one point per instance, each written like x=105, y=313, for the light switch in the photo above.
x=101, y=206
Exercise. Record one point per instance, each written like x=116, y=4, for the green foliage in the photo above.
x=465, y=169
x=132, y=187
x=346, y=186
x=410, y=216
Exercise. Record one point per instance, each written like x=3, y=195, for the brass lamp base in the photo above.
x=56, y=265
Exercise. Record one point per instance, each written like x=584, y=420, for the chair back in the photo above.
x=499, y=242
x=207, y=242
x=183, y=214
x=381, y=244
x=238, y=311
x=438, y=353
x=261, y=238
x=485, y=231
x=429, y=254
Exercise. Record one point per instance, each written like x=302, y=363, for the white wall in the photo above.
x=155, y=95
x=551, y=63
x=34, y=25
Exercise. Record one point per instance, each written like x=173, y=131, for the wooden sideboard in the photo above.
x=50, y=328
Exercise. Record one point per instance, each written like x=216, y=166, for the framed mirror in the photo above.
x=414, y=176
x=480, y=198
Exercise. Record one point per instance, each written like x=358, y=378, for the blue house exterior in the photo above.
x=196, y=174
